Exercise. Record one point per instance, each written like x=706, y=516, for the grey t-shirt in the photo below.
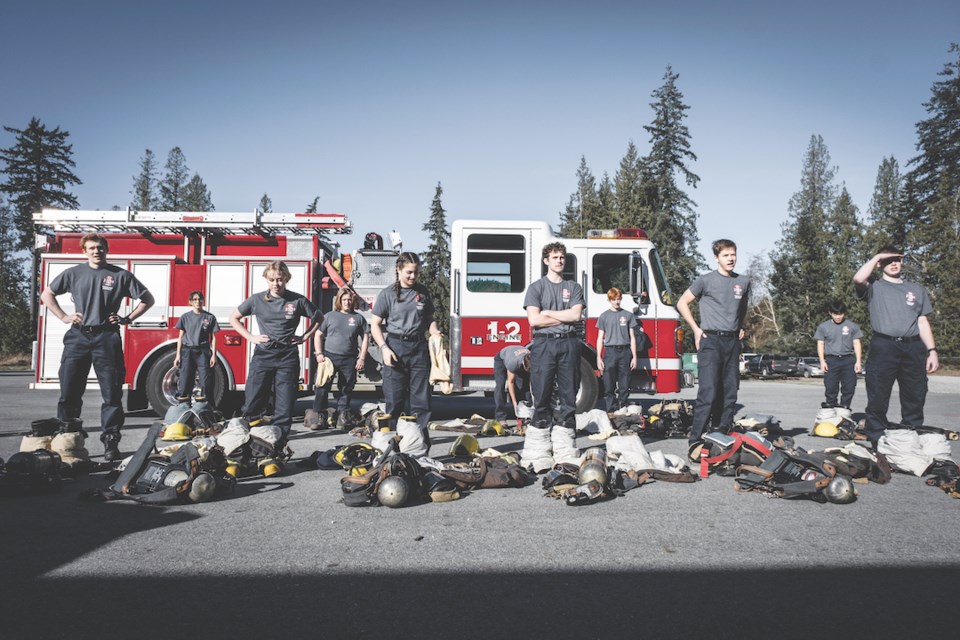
x=342, y=332
x=513, y=359
x=408, y=316
x=723, y=300
x=97, y=293
x=616, y=327
x=278, y=318
x=197, y=328
x=895, y=308
x=838, y=338
x=554, y=296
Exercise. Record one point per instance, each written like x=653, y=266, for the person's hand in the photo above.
x=261, y=339
x=857, y=367
x=697, y=335
x=389, y=357
x=933, y=362
x=213, y=361
x=825, y=368
x=73, y=318
x=320, y=356
x=600, y=364
x=176, y=362
x=633, y=364
x=360, y=364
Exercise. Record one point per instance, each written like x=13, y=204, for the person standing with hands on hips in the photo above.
x=616, y=350
x=97, y=288
x=838, y=345
x=198, y=338
x=274, y=370
x=402, y=314
x=902, y=348
x=343, y=339
x=723, y=297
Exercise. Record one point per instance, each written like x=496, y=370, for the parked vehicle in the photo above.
x=744, y=359
x=768, y=364
x=810, y=368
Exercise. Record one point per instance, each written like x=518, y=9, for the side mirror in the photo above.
x=638, y=290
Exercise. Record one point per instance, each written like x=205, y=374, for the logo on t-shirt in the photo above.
x=352, y=322
x=419, y=302
x=911, y=298
x=108, y=283
x=565, y=295
x=738, y=291
x=289, y=309
x=205, y=322
x=845, y=330
x=623, y=321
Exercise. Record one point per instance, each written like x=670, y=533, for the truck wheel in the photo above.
x=806, y=373
x=589, y=388
x=765, y=372
x=163, y=378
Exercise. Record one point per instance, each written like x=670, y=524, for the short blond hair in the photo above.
x=338, y=300
x=281, y=268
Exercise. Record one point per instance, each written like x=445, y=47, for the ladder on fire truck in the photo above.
x=211, y=223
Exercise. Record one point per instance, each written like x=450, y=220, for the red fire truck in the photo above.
x=173, y=253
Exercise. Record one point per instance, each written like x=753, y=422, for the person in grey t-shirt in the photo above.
x=343, y=338
x=196, y=349
x=616, y=350
x=511, y=376
x=97, y=288
x=838, y=345
x=723, y=296
x=902, y=348
x=274, y=370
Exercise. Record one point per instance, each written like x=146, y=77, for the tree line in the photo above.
x=825, y=238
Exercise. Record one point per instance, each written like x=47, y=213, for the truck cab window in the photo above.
x=495, y=263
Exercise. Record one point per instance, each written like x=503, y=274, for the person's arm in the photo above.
x=234, y=320
x=683, y=306
x=858, y=352
x=861, y=279
x=633, y=348
x=926, y=336
x=376, y=332
x=565, y=316
x=362, y=356
x=143, y=305
x=318, y=346
x=49, y=300
x=538, y=319
x=176, y=361
x=213, y=348
x=823, y=358
x=511, y=388
x=600, y=349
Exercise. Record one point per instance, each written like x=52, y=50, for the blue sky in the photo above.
x=368, y=105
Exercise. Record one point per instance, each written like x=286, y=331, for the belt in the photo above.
x=839, y=355
x=200, y=347
x=618, y=347
x=91, y=330
x=413, y=337
x=895, y=338
x=558, y=336
x=722, y=334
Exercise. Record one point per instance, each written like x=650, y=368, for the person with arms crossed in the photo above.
x=97, y=288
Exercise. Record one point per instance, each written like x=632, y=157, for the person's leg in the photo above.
x=709, y=364
x=730, y=376
x=500, y=397
x=188, y=371
x=286, y=385
x=848, y=381
x=881, y=374
x=542, y=374
x=205, y=373
x=347, y=379
x=912, y=380
x=259, y=384
x=567, y=363
x=107, y=357
x=74, y=369
x=611, y=375
x=831, y=380
x=623, y=379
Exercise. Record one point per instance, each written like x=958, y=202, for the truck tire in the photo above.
x=589, y=388
x=765, y=371
x=162, y=379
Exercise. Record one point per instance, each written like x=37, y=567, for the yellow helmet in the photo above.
x=465, y=445
x=177, y=431
x=270, y=467
x=826, y=429
x=491, y=428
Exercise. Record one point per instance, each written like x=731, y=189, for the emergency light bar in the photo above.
x=617, y=234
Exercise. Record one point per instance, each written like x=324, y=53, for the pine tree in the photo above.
x=885, y=214
x=266, y=204
x=145, y=184
x=15, y=326
x=435, y=267
x=845, y=252
x=312, y=207
x=38, y=169
x=802, y=270
x=630, y=209
x=673, y=218
x=196, y=196
x=174, y=181
x=582, y=209
x=933, y=192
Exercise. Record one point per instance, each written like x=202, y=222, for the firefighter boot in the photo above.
x=111, y=446
x=311, y=420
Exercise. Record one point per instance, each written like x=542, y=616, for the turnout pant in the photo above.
x=840, y=378
x=719, y=362
x=103, y=349
x=905, y=362
x=346, y=374
x=555, y=360
x=501, y=397
x=195, y=362
x=616, y=375
x=274, y=372
x=406, y=385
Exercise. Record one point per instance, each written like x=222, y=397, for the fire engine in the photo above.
x=224, y=254
x=492, y=262
x=173, y=253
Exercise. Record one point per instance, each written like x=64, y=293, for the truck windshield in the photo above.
x=663, y=287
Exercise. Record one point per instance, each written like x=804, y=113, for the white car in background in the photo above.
x=810, y=368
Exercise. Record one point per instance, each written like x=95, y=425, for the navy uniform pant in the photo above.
x=718, y=360
x=345, y=372
x=903, y=362
x=616, y=375
x=501, y=398
x=104, y=351
x=840, y=378
x=406, y=385
x=555, y=361
x=273, y=373
x=195, y=363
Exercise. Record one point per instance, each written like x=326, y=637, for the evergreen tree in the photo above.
x=802, y=270
x=312, y=207
x=886, y=214
x=672, y=219
x=145, y=184
x=845, y=252
x=196, y=196
x=38, y=169
x=630, y=209
x=606, y=202
x=582, y=209
x=266, y=204
x=435, y=267
x=15, y=326
x=174, y=182
x=933, y=192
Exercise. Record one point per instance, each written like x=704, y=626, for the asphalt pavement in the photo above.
x=282, y=557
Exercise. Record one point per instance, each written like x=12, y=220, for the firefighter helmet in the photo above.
x=826, y=429
x=465, y=445
x=393, y=492
x=203, y=487
x=840, y=490
x=177, y=431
